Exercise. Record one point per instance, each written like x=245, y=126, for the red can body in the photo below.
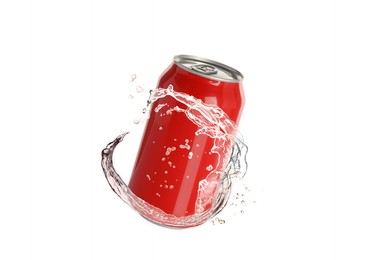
x=172, y=158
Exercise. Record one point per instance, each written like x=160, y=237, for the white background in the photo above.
x=64, y=87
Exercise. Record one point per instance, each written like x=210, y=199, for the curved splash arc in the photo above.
x=145, y=209
x=211, y=121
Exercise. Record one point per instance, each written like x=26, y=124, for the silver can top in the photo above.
x=208, y=68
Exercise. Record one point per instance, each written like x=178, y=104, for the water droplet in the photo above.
x=190, y=155
x=160, y=128
x=168, y=151
x=209, y=168
x=158, y=194
x=133, y=77
x=166, y=186
x=185, y=146
x=166, y=172
x=221, y=221
x=171, y=187
x=163, y=159
x=170, y=88
x=139, y=89
x=242, y=211
x=130, y=97
x=148, y=177
x=242, y=202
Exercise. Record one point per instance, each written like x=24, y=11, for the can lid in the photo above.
x=208, y=68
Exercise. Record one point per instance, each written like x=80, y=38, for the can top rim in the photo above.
x=226, y=73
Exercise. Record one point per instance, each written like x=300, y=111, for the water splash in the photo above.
x=211, y=121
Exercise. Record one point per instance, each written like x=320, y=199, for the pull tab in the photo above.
x=204, y=69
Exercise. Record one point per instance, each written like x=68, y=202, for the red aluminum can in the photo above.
x=172, y=158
